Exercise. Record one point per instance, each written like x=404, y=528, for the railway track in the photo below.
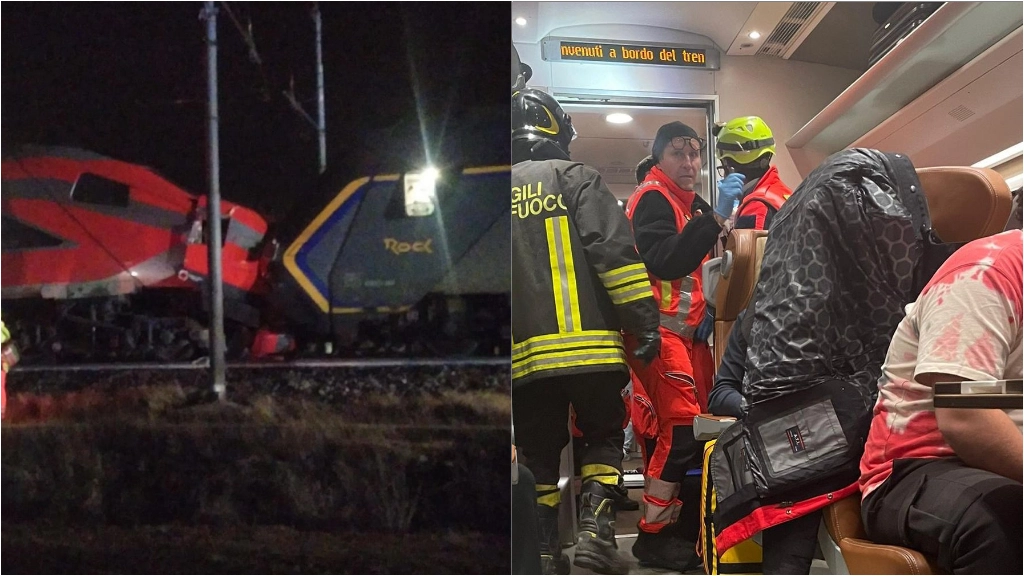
x=349, y=363
x=332, y=379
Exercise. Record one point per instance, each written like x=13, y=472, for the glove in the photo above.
x=707, y=326
x=730, y=189
x=648, y=346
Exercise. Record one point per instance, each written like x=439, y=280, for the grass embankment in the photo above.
x=45, y=549
x=263, y=483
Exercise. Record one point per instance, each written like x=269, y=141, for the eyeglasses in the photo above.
x=684, y=142
x=723, y=171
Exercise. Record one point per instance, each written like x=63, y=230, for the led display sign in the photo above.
x=700, y=57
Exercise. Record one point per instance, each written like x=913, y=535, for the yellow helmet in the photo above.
x=744, y=139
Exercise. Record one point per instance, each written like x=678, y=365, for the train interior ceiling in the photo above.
x=948, y=92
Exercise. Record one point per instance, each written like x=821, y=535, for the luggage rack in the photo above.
x=1002, y=394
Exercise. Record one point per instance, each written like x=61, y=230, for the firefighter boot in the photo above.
x=623, y=503
x=595, y=544
x=552, y=560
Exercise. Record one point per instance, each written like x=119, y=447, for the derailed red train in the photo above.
x=103, y=259
x=78, y=225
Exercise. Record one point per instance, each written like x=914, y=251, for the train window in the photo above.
x=17, y=235
x=421, y=192
x=225, y=222
x=94, y=189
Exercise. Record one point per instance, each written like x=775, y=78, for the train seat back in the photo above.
x=964, y=204
x=740, y=268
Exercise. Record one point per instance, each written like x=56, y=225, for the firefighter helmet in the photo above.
x=536, y=115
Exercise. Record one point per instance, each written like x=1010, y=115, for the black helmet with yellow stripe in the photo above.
x=538, y=116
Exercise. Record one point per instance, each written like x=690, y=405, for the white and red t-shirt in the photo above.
x=967, y=322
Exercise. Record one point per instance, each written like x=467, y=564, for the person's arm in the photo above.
x=726, y=397
x=968, y=325
x=667, y=254
x=610, y=250
x=700, y=207
x=986, y=439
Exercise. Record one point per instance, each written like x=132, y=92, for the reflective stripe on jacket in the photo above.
x=577, y=280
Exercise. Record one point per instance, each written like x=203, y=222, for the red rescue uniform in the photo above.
x=760, y=205
x=675, y=231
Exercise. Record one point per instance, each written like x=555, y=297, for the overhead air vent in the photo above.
x=961, y=113
x=615, y=170
x=790, y=29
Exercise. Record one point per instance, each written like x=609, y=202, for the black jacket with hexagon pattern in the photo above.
x=845, y=254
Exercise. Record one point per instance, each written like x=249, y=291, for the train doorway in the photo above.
x=615, y=133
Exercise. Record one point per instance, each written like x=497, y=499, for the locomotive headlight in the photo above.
x=430, y=174
x=421, y=191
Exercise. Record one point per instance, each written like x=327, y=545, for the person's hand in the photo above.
x=707, y=326
x=730, y=189
x=648, y=346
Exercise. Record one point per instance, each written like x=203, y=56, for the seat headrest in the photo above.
x=965, y=203
x=740, y=268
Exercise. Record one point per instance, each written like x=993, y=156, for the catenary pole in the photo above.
x=215, y=283
x=321, y=128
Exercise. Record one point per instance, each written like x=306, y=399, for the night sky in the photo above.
x=128, y=80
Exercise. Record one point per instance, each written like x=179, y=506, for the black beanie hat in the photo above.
x=665, y=135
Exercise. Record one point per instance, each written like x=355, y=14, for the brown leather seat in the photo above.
x=842, y=520
x=964, y=204
x=740, y=269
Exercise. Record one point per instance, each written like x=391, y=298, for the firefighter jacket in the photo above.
x=577, y=280
x=762, y=202
x=675, y=231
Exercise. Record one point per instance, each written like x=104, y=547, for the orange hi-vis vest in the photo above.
x=770, y=190
x=681, y=301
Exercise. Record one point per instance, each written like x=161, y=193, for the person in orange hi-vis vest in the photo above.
x=675, y=231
